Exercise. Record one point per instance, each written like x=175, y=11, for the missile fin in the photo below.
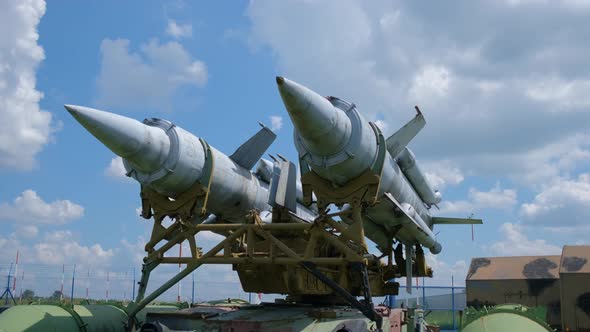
x=455, y=221
x=252, y=150
x=403, y=210
x=283, y=186
x=400, y=139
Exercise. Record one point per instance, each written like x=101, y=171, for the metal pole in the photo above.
x=391, y=301
x=15, y=274
x=453, y=299
x=63, y=276
x=22, y=280
x=125, y=289
x=179, y=270
x=133, y=298
x=87, y=282
x=193, y=293
x=73, y=281
x=108, y=286
x=250, y=298
x=423, y=293
x=7, y=291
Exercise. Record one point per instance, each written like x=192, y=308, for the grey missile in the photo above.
x=334, y=139
x=170, y=160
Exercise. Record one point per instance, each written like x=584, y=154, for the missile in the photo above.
x=338, y=144
x=169, y=160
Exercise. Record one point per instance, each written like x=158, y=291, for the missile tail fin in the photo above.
x=400, y=139
x=283, y=186
x=252, y=150
x=415, y=225
x=455, y=221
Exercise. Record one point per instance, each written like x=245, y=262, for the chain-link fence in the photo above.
x=443, y=305
x=36, y=282
x=40, y=282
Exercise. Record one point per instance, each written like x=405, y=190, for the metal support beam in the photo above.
x=366, y=308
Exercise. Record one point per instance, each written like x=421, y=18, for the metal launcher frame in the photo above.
x=325, y=261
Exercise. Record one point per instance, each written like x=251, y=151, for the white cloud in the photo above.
x=515, y=243
x=489, y=95
x=24, y=128
x=495, y=198
x=276, y=122
x=117, y=170
x=59, y=247
x=443, y=272
x=442, y=173
x=564, y=95
x=55, y=248
x=383, y=126
x=179, y=31
x=430, y=82
x=148, y=78
x=27, y=231
x=562, y=203
x=135, y=250
x=30, y=208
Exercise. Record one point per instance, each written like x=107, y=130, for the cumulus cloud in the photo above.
x=430, y=82
x=495, y=198
x=27, y=231
x=443, y=272
x=30, y=208
x=276, y=122
x=117, y=170
x=564, y=95
x=148, y=77
x=489, y=95
x=562, y=203
x=24, y=128
x=515, y=243
x=56, y=248
x=179, y=31
x=383, y=126
x=60, y=247
x=442, y=173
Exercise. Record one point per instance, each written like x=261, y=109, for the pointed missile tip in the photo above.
x=70, y=108
x=280, y=80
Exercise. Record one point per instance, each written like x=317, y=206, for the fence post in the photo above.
x=453, y=300
x=73, y=281
x=423, y=294
x=133, y=297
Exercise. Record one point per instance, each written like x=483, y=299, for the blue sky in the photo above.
x=503, y=85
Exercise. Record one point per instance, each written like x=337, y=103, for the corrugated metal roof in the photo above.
x=517, y=267
x=575, y=259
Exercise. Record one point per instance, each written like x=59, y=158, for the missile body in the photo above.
x=339, y=145
x=170, y=160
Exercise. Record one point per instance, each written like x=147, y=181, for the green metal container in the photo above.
x=33, y=318
x=88, y=318
x=506, y=317
x=102, y=317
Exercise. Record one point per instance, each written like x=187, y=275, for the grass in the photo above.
x=443, y=318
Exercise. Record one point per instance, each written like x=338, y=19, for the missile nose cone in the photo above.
x=120, y=134
x=145, y=147
x=322, y=126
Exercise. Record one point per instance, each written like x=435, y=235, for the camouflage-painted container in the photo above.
x=575, y=288
x=532, y=281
